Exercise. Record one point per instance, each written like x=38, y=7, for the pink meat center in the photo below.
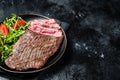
x=46, y=27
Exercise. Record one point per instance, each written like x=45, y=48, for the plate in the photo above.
x=52, y=60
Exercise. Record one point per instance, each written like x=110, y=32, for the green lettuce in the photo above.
x=6, y=42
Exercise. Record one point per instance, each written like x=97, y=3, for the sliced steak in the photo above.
x=34, y=47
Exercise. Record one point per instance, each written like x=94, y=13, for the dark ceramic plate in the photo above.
x=52, y=60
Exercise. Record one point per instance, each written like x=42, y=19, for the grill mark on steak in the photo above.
x=32, y=50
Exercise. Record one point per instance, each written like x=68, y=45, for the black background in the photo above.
x=93, y=51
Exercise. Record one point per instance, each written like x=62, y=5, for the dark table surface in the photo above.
x=93, y=50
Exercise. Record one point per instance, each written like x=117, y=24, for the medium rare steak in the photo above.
x=35, y=46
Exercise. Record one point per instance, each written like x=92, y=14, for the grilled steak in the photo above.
x=35, y=46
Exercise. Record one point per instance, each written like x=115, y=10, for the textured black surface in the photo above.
x=93, y=51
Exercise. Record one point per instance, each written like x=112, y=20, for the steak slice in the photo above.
x=33, y=49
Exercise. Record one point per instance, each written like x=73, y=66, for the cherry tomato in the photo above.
x=19, y=22
x=4, y=29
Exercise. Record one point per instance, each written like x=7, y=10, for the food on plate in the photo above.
x=10, y=31
x=20, y=22
x=40, y=41
x=3, y=29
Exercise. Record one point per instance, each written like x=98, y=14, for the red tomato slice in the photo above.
x=15, y=26
x=19, y=22
x=4, y=29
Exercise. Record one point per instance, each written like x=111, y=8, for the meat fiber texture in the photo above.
x=40, y=41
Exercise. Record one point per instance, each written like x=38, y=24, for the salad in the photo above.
x=10, y=31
